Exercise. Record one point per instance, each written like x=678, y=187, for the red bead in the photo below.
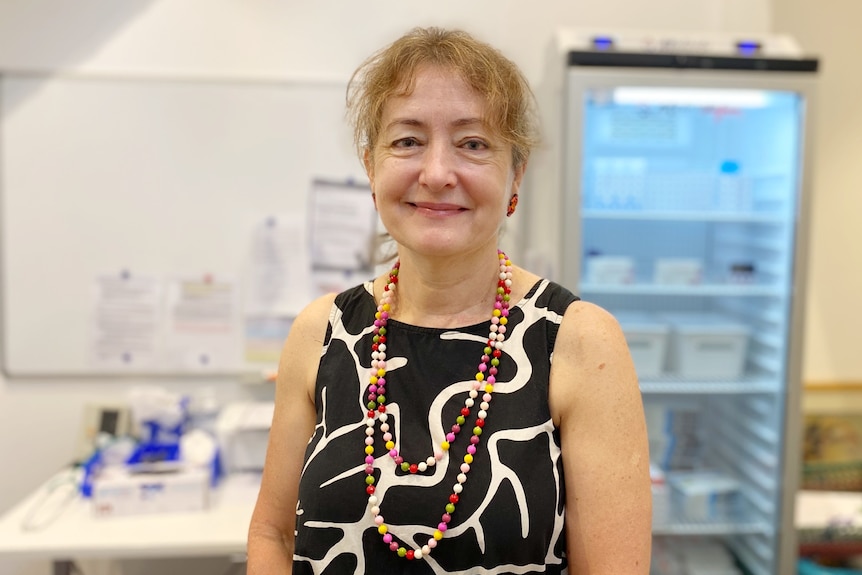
x=411, y=554
x=480, y=422
x=370, y=413
x=453, y=498
x=369, y=490
x=382, y=339
x=382, y=409
x=497, y=353
x=465, y=411
x=414, y=468
x=374, y=347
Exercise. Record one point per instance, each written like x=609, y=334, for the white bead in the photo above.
x=474, y=394
x=383, y=417
x=417, y=554
x=502, y=329
x=500, y=337
x=381, y=355
x=369, y=431
x=384, y=427
x=372, y=500
x=369, y=422
x=431, y=462
x=502, y=274
x=498, y=345
x=508, y=283
x=422, y=466
x=369, y=440
x=374, y=355
x=426, y=550
x=375, y=510
x=462, y=478
x=495, y=327
x=458, y=488
x=484, y=406
x=469, y=402
x=483, y=414
x=381, y=347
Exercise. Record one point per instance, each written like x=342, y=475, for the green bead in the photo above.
x=461, y=419
x=477, y=430
x=376, y=339
x=382, y=331
x=402, y=552
x=495, y=362
x=369, y=479
x=500, y=290
x=450, y=508
x=381, y=399
x=488, y=351
x=372, y=405
x=506, y=297
x=405, y=466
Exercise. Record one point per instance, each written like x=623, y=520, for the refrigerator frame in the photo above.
x=578, y=79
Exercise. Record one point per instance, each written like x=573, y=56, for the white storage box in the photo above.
x=678, y=271
x=647, y=338
x=706, y=346
x=118, y=491
x=704, y=496
x=614, y=270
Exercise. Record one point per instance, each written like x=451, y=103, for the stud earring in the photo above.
x=513, y=203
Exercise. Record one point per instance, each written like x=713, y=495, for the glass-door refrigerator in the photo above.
x=684, y=190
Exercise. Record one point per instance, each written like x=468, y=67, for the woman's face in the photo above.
x=442, y=179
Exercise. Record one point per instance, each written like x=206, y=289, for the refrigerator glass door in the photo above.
x=689, y=202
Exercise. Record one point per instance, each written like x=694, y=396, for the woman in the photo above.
x=443, y=437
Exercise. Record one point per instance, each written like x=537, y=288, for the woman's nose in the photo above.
x=438, y=166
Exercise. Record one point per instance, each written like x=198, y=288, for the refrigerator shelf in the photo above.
x=683, y=216
x=682, y=527
x=675, y=385
x=736, y=290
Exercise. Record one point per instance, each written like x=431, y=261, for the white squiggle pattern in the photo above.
x=351, y=532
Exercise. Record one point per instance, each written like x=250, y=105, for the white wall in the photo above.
x=830, y=29
x=39, y=418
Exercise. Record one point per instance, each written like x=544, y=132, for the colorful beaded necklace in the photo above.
x=485, y=378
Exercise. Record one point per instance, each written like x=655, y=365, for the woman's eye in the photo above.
x=475, y=145
x=405, y=143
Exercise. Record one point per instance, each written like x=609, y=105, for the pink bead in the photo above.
x=369, y=469
x=381, y=364
x=486, y=398
x=438, y=455
x=456, y=428
x=446, y=518
x=450, y=437
x=377, y=323
x=485, y=359
x=432, y=543
x=373, y=389
x=474, y=440
x=442, y=526
x=372, y=396
x=369, y=441
x=483, y=367
x=393, y=452
x=492, y=371
x=465, y=468
x=498, y=305
x=399, y=460
x=378, y=520
x=393, y=546
x=369, y=459
x=384, y=315
x=387, y=538
x=492, y=380
x=471, y=449
x=387, y=436
x=380, y=383
x=505, y=312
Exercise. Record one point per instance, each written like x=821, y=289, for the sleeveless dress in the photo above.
x=510, y=516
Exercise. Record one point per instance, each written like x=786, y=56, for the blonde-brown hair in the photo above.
x=510, y=105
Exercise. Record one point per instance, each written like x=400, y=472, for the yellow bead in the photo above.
x=438, y=535
x=468, y=458
x=382, y=529
x=386, y=307
x=373, y=380
x=381, y=372
x=489, y=388
x=504, y=320
x=444, y=446
x=369, y=450
x=390, y=445
x=496, y=313
x=480, y=376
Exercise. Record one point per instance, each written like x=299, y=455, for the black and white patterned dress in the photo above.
x=510, y=517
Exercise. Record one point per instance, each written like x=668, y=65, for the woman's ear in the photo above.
x=368, y=162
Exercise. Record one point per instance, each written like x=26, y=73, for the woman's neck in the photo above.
x=446, y=292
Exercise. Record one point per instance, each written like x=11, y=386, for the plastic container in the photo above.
x=706, y=346
x=647, y=338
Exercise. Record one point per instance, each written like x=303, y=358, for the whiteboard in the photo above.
x=151, y=176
